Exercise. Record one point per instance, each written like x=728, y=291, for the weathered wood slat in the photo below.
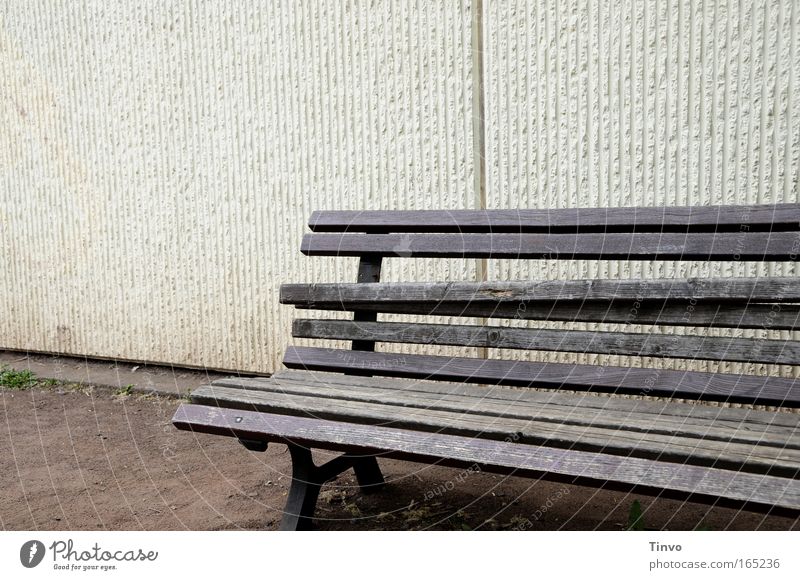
x=618, y=343
x=638, y=381
x=699, y=483
x=741, y=290
x=671, y=313
x=724, y=427
x=567, y=220
x=750, y=246
x=748, y=419
x=618, y=439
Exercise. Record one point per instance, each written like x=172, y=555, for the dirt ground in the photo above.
x=95, y=458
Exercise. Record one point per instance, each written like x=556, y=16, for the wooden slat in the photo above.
x=618, y=343
x=566, y=409
x=682, y=302
x=636, y=441
x=758, y=246
x=697, y=289
x=672, y=313
x=701, y=483
x=745, y=418
x=641, y=381
x=567, y=220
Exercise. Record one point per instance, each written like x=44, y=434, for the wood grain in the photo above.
x=739, y=246
x=637, y=381
x=665, y=313
x=747, y=418
x=753, y=491
x=617, y=343
x=567, y=409
x=738, y=290
x=779, y=217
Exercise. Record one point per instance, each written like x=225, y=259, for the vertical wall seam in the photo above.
x=479, y=132
x=478, y=105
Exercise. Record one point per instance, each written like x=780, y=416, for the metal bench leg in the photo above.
x=368, y=474
x=307, y=480
x=303, y=492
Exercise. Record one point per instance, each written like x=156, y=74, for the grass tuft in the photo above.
x=636, y=517
x=125, y=391
x=18, y=380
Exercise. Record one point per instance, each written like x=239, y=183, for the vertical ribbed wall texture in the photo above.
x=596, y=103
x=642, y=102
x=158, y=160
x=681, y=102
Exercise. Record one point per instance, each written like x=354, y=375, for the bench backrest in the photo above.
x=724, y=233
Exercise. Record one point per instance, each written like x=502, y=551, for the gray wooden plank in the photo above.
x=747, y=418
x=721, y=428
x=617, y=439
x=749, y=246
x=775, y=217
x=665, y=313
x=637, y=381
x=619, y=343
x=708, y=484
x=738, y=290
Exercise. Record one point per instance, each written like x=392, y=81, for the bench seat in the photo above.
x=654, y=477
x=732, y=440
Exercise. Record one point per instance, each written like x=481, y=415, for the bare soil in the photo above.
x=92, y=458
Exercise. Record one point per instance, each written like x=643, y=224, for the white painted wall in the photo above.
x=596, y=103
x=158, y=159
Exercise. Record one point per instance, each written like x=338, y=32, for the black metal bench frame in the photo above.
x=754, y=233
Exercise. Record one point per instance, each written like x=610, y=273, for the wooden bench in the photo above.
x=676, y=441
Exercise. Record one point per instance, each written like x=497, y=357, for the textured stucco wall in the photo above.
x=158, y=160
x=684, y=102
x=642, y=103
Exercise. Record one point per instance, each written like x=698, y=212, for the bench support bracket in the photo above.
x=307, y=480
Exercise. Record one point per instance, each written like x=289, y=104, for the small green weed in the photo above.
x=19, y=380
x=636, y=517
x=125, y=391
